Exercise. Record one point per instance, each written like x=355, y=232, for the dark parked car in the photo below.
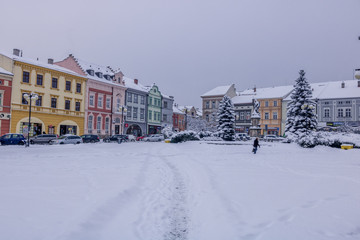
x=90, y=138
x=115, y=138
x=12, y=139
x=43, y=138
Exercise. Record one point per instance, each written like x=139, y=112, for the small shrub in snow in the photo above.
x=203, y=134
x=185, y=136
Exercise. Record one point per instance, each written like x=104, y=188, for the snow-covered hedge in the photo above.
x=331, y=139
x=185, y=136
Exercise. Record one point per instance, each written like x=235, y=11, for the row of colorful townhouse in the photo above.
x=78, y=97
x=337, y=103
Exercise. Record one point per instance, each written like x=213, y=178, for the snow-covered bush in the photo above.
x=167, y=132
x=184, y=136
x=203, y=134
x=226, y=119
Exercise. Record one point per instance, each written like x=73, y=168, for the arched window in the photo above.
x=117, y=120
x=107, y=120
x=90, y=122
x=118, y=104
x=98, y=124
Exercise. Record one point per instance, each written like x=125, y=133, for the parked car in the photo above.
x=242, y=137
x=154, y=138
x=271, y=138
x=43, y=138
x=12, y=139
x=67, y=139
x=140, y=138
x=115, y=138
x=90, y=138
x=131, y=138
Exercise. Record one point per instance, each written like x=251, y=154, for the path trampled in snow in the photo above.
x=189, y=191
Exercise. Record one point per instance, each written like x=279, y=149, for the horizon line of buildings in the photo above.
x=78, y=97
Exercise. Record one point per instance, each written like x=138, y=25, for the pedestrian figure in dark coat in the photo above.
x=256, y=145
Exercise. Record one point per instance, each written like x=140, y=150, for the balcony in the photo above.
x=23, y=107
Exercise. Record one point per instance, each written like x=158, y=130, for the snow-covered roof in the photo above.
x=3, y=71
x=41, y=64
x=167, y=96
x=177, y=110
x=129, y=83
x=271, y=92
x=242, y=99
x=85, y=66
x=333, y=90
x=218, y=91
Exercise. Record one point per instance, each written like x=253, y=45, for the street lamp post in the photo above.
x=30, y=97
x=123, y=110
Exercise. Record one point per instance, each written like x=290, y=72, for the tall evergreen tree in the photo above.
x=226, y=119
x=301, y=118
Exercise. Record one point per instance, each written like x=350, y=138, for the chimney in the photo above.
x=136, y=81
x=50, y=61
x=343, y=85
x=16, y=52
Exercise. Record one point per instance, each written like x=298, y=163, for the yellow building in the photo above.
x=60, y=107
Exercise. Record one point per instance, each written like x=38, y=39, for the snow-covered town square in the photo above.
x=193, y=190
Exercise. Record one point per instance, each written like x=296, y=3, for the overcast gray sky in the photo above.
x=188, y=47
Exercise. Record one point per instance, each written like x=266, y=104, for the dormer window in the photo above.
x=107, y=77
x=99, y=74
x=90, y=72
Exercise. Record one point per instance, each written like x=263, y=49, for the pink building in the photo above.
x=105, y=94
x=5, y=100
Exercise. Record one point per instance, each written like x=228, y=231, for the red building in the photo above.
x=178, y=120
x=5, y=100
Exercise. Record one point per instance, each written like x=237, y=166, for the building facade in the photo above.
x=178, y=119
x=212, y=99
x=136, y=104
x=154, y=110
x=167, y=111
x=105, y=91
x=243, y=107
x=5, y=100
x=60, y=108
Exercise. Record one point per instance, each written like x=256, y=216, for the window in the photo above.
x=248, y=115
x=135, y=112
x=54, y=83
x=38, y=101
x=326, y=103
x=275, y=115
x=91, y=100
x=67, y=104
x=266, y=115
x=340, y=112
x=165, y=104
x=326, y=112
x=275, y=103
x=241, y=115
x=150, y=100
x=108, y=101
x=348, y=102
x=150, y=115
x=213, y=104
x=129, y=109
x=26, y=77
x=266, y=103
x=107, y=120
x=136, y=98
x=348, y=112
x=142, y=100
x=24, y=101
x=78, y=87
x=118, y=104
x=77, y=106
x=100, y=101
x=207, y=104
x=39, y=80
x=53, y=102
x=129, y=97
x=142, y=114
x=1, y=99
x=90, y=122
x=98, y=124
x=68, y=86
x=164, y=117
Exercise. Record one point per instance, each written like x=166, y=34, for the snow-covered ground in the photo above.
x=188, y=191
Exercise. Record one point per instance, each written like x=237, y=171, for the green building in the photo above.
x=154, y=110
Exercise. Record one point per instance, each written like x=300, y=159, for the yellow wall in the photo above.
x=45, y=114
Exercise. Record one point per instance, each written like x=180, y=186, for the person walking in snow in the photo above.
x=256, y=145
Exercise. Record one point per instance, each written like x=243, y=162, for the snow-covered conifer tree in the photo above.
x=226, y=119
x=301, y=118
